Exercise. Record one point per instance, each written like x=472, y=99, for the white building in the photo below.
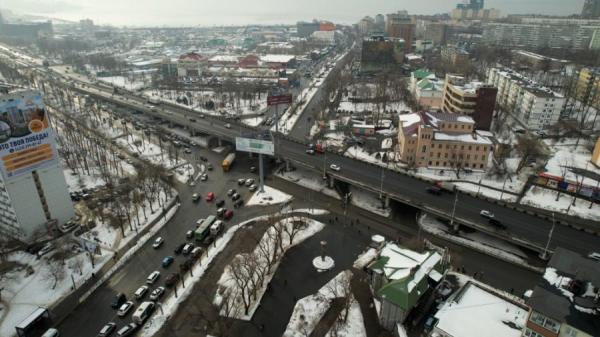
x=538, y=34
x=535, y=106
x=34, y=198
x=477, y=310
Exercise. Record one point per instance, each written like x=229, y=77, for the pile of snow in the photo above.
x=309, y=310
x=365, y=258
x=270, y=196
x=266, y=247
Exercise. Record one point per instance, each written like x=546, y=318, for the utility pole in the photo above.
x=454, y=211
x=261, y=175
x=381, y=184
x=544, y=255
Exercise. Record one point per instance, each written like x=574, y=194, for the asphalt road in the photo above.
x=95, y=311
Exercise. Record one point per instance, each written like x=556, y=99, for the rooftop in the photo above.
x=567, y=290
x=475, y=311
x=274, y=58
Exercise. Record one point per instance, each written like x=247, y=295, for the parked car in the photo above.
x=310, y=151
x=228, y=214
x=228, y=126
x=204, y=177
x=157, y=293
x=238, y=203
x=235, y=196
x=209, y=167
x=594, y=256
x=210, y=196
x=140, y=292
x=486, y=214
x=335, y=167
x=125, y=308
x=47, y=248
x=252, y=188
x=196, y=252
x=167, y=261
x=158, y=242
x=252, y=169
x=119, y=299
x=153, y=277
x=52, y=332
x=187, y=249
x=179, y=249
x=127, y=330
x=171, y=280
x=189, y=234
x=221, y=212
x=241, y=181
x=195, y=197
x=107, y=329
x=230, y=192
x=249, y=182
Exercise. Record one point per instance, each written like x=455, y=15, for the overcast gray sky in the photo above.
x=229, y=12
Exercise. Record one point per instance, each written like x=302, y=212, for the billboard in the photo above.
x=26, y=140
x=279, y=99
x=254, y=145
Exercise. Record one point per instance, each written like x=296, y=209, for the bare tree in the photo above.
x=55, y=272
x=529, y=149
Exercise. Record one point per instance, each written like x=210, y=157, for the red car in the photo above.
x=210, y=196
x=228, y=214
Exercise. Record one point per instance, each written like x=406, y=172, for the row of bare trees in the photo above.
x=250, y=272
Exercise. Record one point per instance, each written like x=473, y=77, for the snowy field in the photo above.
x=229, y=285
x=270, y=196
x=544, y=198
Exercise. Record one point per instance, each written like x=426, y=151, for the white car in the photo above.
x=153, y=277
x=486, y=214
x=140, y=292
x=228, y=126
x=195, y=197
x=157, y=293
x=594, y=256
x=335, y=167
x=158, y=242
x=125, y=308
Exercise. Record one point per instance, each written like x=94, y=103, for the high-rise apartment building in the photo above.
x=400, y=25
x=591, y=9
x=587, y=88
x=475, y=99
x=34, y=198
x=535, y=106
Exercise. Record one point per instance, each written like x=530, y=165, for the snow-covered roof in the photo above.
x=274, y=58
x=401, y=261
x=409, y=119
x=224, y=58
x=476, y=312
x=463, y=137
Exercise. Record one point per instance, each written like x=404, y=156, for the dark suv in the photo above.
x=119, y=299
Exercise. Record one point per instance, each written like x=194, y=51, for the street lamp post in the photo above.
x=454, y=211
x=544, y=255
x=381, y=184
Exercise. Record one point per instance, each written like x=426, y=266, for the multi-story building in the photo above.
x=191, y=64
x=436, y=32
x=34, y=199
x=400, y=25
x=431, y=139
x=366, y=25
x=533, y=105
x=565, y=300
x=401, y=278
x=537, y=61
x=380, y=53
x=380, y=23
x=427, y=89
x=305, y=29
x=475, y=99
x=455, y=55
x=587, y=89
x=591, y=9
x=474, y=10
x=530, y=33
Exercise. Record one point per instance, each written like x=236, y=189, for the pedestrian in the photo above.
x=93, y=275
x=475, y=275
x=262, y=327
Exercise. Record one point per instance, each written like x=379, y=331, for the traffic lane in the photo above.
x=520, y=224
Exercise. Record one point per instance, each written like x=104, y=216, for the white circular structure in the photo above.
x=323, y=263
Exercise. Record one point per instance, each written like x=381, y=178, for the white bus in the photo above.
x=142, y=313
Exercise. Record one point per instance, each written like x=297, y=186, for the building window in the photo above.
x=544, y=321
x=470, y=147
x=443, y=125
x=437, y=163
x=424, y=149
x=444, y=163
x=445, y=155
x=481, y=166
x=571, y=332
x=477, y=148
x=439, y=146
x=439, y=154
x=430, y=163
x=462, y=126
x=531, y=333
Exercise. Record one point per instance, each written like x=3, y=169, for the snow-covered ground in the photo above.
x=309, y=310
x=124, y=82
x=270, y=196
x=544, y=198
x=370, y=107
x=170, y=304
x=566, y=153
x=354, y=325
x=368, y=201
x=227, y=283
x=22, y=293
x=309, y=180
x=478, y=241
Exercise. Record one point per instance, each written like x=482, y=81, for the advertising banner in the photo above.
x=254, y=145
x=279, y=99
x=26, y=141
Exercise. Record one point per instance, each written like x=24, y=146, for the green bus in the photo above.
x=204, y=229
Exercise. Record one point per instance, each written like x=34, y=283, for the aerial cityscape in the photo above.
x=300, y=168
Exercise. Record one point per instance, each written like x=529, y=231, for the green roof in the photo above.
x=421, y=73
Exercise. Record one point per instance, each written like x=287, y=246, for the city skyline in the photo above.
x=185, y=13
